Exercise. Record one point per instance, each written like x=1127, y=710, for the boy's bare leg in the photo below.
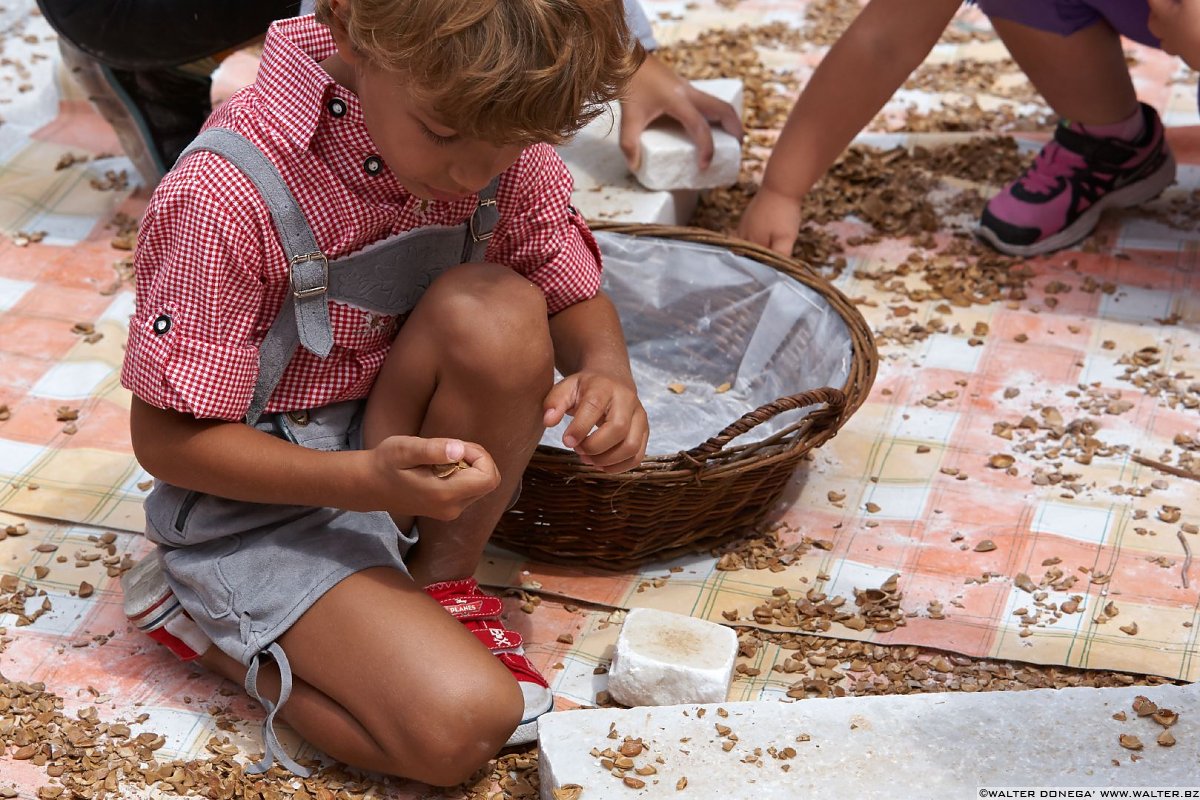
x=1083, y=77
x=474, y=361
x=364, y=692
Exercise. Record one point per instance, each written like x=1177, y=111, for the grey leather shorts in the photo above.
x=245, y=572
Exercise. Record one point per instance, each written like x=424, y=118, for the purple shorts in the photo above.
x=1065, y=17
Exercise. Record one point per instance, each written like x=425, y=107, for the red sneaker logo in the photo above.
x=463, y=607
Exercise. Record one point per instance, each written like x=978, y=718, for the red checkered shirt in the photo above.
x=212, y=275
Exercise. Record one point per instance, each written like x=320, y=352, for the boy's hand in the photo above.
x=401, y=473
x=771, y=220
x=656, y=91
x=609, y=429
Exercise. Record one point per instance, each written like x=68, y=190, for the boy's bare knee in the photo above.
x=446, y=740
x=491, y=320
x=469, y=297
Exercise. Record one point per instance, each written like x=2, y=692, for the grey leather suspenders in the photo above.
x=387, y=277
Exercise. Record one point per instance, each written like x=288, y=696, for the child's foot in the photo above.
x=155, y=611
x=481, y=614
x=1059, y=199
x=155, y=113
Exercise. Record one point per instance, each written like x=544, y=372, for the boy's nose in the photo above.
x=473, y=174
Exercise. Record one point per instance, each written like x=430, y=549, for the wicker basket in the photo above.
x=686, y=501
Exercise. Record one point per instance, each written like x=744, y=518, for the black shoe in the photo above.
x=155, y=113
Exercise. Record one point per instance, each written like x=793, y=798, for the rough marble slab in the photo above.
x=905, y=746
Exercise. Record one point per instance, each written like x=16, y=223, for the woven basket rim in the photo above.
x=864, y=365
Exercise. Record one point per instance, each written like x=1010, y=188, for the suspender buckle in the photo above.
x=477, y=235
x=299, y=291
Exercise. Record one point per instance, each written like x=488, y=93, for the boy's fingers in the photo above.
x=610, y=435
x=479, y=458
x=589, y=412
x=414, y=451
x=600, y=441
x=625, y=456
x=623, y=466
x=630, y=447
x=558, y=402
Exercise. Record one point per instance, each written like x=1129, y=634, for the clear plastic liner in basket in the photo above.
x=700, y=316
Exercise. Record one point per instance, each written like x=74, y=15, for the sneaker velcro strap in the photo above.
x=495, y=636
x=1106, y=151
x=480, y=606
x=522, y=668
x=462, y=586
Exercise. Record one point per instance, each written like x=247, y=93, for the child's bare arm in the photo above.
x=598, y=390
x=888, y=40
x=233, y=460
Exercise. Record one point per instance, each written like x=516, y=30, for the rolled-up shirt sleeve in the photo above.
x=540, y=234
x=193, y=339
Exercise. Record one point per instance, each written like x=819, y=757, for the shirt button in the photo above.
x=337, y=107
x=162, y=324
x=373, y=165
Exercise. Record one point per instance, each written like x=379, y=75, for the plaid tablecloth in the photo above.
x=886, y=496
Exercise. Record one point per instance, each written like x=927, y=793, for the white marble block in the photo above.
x=669, y=157
x=929, y=746
x=605, y=189
x=664, y=659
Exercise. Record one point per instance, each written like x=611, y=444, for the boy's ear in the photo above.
x=338, y=9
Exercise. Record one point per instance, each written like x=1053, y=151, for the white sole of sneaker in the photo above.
x=143, y=587
x=526, y=732
x=1134, y=194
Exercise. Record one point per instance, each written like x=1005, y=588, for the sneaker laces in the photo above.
x=1052, y=164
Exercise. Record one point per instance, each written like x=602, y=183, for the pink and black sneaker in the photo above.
x=481, y=614
x=1059, y=199
x=155, y=610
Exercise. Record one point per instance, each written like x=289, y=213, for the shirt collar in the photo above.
x=291, y=82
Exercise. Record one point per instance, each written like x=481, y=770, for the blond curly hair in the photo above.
x=504, y=71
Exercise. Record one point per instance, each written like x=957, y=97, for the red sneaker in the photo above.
x=481, y=614
x=155, y=611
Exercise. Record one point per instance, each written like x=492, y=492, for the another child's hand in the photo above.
x=771, y=220
x=609, y=429
x=658, y=91
x=401, y=475
x=1177, y=24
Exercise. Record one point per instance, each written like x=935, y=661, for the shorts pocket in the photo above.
x=183, y=518
x=198, y=572
x=168, y=509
